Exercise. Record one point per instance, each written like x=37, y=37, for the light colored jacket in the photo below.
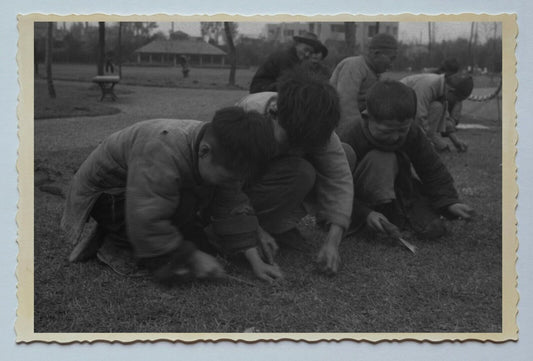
x=152, y=162
x=428, y=88
x=334, y=182
x=352, y=78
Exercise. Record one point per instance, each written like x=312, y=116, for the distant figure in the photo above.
x=109, y=66
x=354, y=75
x=184, y=61
x=266, y=77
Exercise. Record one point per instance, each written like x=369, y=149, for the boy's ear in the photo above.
x=204, y=150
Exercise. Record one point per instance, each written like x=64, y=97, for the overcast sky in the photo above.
x=408, y=31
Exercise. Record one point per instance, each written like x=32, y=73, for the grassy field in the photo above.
x=159, y=76
x=210, y=78
x=451, y=285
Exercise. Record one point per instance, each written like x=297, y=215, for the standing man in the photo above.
x=354, y=75
x=266, y=77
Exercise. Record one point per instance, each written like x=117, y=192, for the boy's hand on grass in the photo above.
x=375, y=221
x=206, y=266
x=269, y=247
x=264, y=271
x=328, y=258
x=461, y=210
x=459, y=144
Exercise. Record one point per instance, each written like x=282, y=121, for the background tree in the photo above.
x=231, y=48
x=101, y=47
x=349, y=37
x=178, y=35
x=49, y=47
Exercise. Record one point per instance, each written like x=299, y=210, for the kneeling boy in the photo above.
x=387, y=144
x=146, y=185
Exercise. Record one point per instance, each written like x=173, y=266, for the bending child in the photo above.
x=388, y=144
x=310, y=165
x=147, y=186
x=439, y=98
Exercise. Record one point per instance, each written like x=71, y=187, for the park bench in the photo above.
x=107, y=84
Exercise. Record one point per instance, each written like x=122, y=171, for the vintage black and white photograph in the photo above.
x=341, y=179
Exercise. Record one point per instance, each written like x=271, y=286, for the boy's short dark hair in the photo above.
x=390, y=99
x=462, y=85
x=243, y=140
x=308, y=108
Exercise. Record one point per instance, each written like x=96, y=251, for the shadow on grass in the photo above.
x=72, y=100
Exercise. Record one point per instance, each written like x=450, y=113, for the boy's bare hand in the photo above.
x=206, y=266
x=375, y=221
x=461, y=210
x=269, y=247
x=328, y=257
x=262, y=270
x=267, y=272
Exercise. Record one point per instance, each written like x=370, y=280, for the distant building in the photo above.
x=330, y=31
x=169, y=52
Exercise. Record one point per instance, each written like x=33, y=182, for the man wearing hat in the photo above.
x=353, y=76
x=265, y=79
x=436, y=94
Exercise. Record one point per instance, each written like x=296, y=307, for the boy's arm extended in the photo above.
x=235, y=224
x=152, y=198
x=436, y=179
x=334, y=194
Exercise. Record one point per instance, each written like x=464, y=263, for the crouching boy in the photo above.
x=309, y=165
x=388, y=145
x=146, y=186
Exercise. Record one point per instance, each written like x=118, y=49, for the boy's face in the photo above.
x=382, y=59
x=303, y=51
x=316, y=57
x=211, y=172
x=389, y=131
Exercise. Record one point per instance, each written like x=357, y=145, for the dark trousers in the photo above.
x=278, y=195
x=109, y=212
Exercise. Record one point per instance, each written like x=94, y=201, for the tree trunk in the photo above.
x=470, y=55
x=232, y=55
x=349, y=37
x=101, y=47
x=120, y=49
x=49, y=46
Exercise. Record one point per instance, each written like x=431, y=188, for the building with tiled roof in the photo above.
x=167, y=52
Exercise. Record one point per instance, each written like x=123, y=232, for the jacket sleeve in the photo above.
x=266, y=76
x=348, y=79
x=152, y=198
x=334, y=183
x=436, y=180
x=423, y=100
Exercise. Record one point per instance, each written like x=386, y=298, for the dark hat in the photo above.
x=462, y=84
x=449, y=66
x=383, y=41
x=312, y=40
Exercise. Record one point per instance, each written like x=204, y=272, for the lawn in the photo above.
x=451, y=285
x=72, y=100
x=214, y=78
